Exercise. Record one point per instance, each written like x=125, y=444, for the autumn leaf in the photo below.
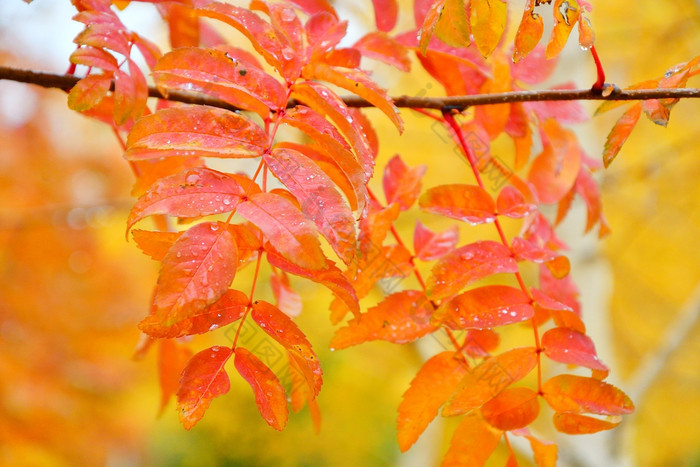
x=467, y=264
x=488, y=22
x=269, y=393
x=620, y=132
x=427, y=29
x=472, y=442
x=401, y=183
x=89, y=91
x=529, y=32
x=566, y=14
x=400, y=318
x=380, y=46
x=154, y=244
x=468, y=203
x=511, y=203
x=172, y=359
x=577, y=424
x=196, y=272
x=453, y=24
x=429, y=245
x=93, y=57
x=286, y=228
x=485, y=307
x=490, y=378
x=195, y=131
x=430, y=388
x=554, y=171
x=386, y=13
x=203, y=379
x=511, y=409
x=569, y=393
x=282, y=329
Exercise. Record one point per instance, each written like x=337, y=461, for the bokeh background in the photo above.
x=72, y=290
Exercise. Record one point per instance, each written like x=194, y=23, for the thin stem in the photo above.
x=66, y=82
x=600, y=82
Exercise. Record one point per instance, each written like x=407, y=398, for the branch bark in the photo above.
x=66, y=82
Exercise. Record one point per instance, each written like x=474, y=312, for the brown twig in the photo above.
x=66, y=82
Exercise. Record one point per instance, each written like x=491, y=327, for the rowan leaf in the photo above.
x=488, y=22
x=324, y=32
x=288, y=300
x=319, y=200
x=154, y=244
x=490, y=378
x=545, y=453
x=269, y=393
x=528, y=251
x=468, y=203
x=529, y=33
x=430, y=388
x=427, y=29
x=468, y=264
x=472, y=442
x=568, y=346
x=453, y=24
x=386, y=13
x=172, y=359
x=216, y=73
x=485, y=307
x=555, y=170
x=380, y=46
x=203, y=379
x=286, y=228
x=577, y=424
x=400, y=318
x=429, y=246
x=94, y=57
x=401, y=183
x=620, y=132
x=586, y=34
x=89, y=91
x=104, y=35
x=196, y=272
x=566, y=13
x=569, y=393
x=512, y=409
x=511, y=203
x=282, y=329
x=230, y=307
x=192, y=193
x=195, y=131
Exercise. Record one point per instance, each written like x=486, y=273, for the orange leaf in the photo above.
x=430, y=388
x=155, y=244
x=453, y=24
x=485, y=307
x=554, y=171
x=217, y=74
x=545, y=452
x=528, y=251
x=566, y=13
x=429, y=245
x=319, y=200
x=490, y=378
x=380, y=46
x=513, y=408
x=195, y=131
x=620, y=132
x=429, y=24
x=488, y=21
x=576, y=424
x=569, y=393
x=468, y=203
x=493, y=118
x=386, y=13
x=269, y=393
x=511, y=203
x=196, y=271
x=229, y=308
x=281, y=328
x=529, y=33
x=192, y=193
x=172, y=359
x=89, y=91
x=402, y=184
x=286, y=228
x=288, y=301
x=472, y=442
x=96, y=58
x=468, y=264
x=586, y=34
x=203, y=379
x=400, y=318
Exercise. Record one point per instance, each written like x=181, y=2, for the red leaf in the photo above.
x=402, y=184
x=485, y=307
x=229, y=308
x=513, y=408
x=429, y=24
x=196, y=272
x=192, y=193
x=269, y=393
x=323, y=32
x=435, y=381
x=195, y=131
x=576, y=424
x=400, y=318
x=104, y=36
x=490, y=378
x=525, y=250
x=217, y=74
x=554, y=171
x=288, y=301
x=172, y=359
x=286, y=228
x=380, y=46
x=386, y=12
x=314, y=6
x=620, y=132
x=155, y=244
x=89, y=91
x=569, y=393
x=281, y=328
x=472, y=442
x=93, y=57
x=468, y=203
x=319, y=200
x=468, y=264
x=429, y=245
x=511, y=203
x=572, y=347
x=203, y=379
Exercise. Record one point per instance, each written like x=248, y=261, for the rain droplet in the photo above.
x=213, y=326
x=214, y=227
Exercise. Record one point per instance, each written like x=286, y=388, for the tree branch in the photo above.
x=66, y=82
